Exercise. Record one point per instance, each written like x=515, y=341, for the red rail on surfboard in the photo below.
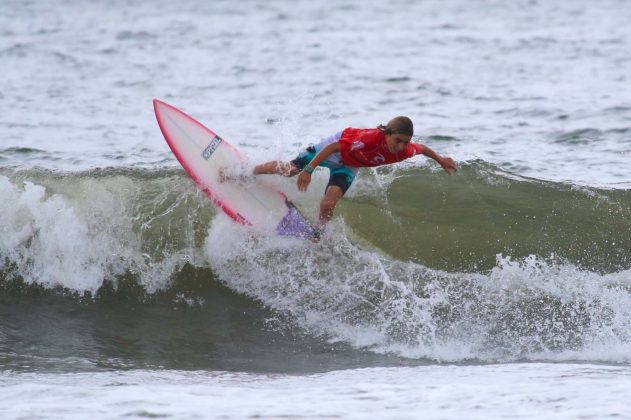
x=160, y=116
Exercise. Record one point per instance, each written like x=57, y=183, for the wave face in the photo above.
x=463, y=222
x=484, y=266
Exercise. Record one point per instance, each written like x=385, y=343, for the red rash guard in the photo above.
x=367, y=147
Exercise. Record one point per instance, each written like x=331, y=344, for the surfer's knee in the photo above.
x=293, y=169
x=285, y=168
x=274, y=167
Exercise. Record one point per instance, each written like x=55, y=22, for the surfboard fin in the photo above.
x=296, y=225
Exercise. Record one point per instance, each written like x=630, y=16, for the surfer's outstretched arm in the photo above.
x=304, y=178
x=447, y=163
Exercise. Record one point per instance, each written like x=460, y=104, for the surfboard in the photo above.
x=202, y=153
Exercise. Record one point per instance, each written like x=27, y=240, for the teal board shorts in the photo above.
x=341, y=175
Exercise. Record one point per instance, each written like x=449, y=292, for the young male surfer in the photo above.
x=347, y=151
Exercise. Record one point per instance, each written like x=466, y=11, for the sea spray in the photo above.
x=529, y=309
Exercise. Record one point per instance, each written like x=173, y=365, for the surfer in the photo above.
x=347, y=151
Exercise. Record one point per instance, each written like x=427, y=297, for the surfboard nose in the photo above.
x=158, y=103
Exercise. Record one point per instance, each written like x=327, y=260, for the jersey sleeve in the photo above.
x=415, y=149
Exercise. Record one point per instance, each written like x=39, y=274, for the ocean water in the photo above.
x=501, y=292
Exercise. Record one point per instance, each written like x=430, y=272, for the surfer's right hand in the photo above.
x=304, y=178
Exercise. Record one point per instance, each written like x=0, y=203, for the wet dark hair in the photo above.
x=398, y=125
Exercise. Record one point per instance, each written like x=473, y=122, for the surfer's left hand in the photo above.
x=304, y=178
x=448, y=165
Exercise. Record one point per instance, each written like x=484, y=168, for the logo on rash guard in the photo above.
x=378, y=159
x=357, y=145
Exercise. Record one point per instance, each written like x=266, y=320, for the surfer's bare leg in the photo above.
x=233, y=174
x=327, y=205
x=276, y=167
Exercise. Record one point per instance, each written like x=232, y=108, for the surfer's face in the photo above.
x=397, y=142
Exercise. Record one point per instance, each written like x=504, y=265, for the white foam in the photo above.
x=81, y=237
x=542, y=391
x=528, y=309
